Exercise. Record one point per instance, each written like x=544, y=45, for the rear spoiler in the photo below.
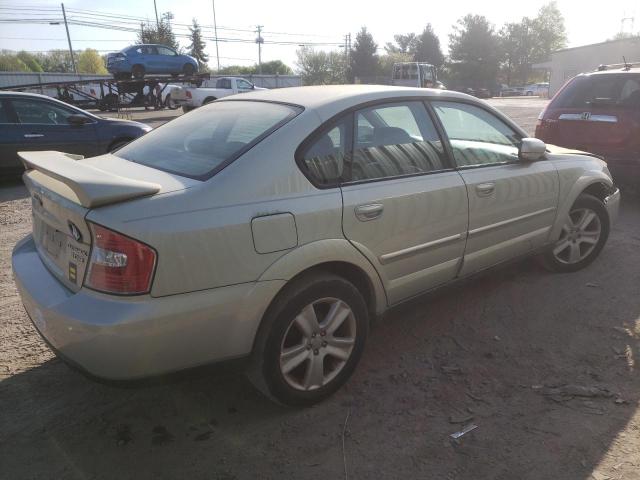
x=92, y=186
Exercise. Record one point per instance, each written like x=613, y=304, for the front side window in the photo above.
x=477, y=137
x=393, y=140
x=40, y=112
x=199, y=144
x=244, y=85
x=324, y=159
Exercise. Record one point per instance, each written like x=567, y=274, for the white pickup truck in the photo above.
x=192, y=97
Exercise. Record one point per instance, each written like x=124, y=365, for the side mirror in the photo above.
x=78, y=119
x=531, y=149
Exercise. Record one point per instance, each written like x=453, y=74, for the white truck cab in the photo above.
x=190, y=97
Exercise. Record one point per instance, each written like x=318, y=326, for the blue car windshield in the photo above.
x=199, y=144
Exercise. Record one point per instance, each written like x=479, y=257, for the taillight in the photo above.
x=188, y=94
x=119, y=264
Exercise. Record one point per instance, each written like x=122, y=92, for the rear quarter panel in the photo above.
x=203, y=234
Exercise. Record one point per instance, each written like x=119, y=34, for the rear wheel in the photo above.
x=188, y=69
x=208, y=100
x=169, y=103
x=311, y=340
x=583, y=236
x=186, y=109
x=138, y=71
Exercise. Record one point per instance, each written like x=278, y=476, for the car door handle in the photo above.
x=485, y=189
x=371, y=211
x=33, y=135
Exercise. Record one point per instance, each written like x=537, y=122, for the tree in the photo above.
x=196, y=49
x=90, y=61
x=321, y=68
x=274, y=67
x=364, y=60
x=473, y=52
x=405, y=44
x=161, y=33
x=517, y=43
x=56, y=61
x=30, y=60
x=426, y=48
x=530, y=41
x=11, y=63
x=549, y=32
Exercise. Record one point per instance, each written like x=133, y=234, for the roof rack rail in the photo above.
x=614, y=66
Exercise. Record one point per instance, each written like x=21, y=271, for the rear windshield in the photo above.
x=201, y=143
x=616, y=90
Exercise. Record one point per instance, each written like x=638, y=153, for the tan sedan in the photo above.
x=276, y=225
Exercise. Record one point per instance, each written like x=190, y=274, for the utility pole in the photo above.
x=156, y=9
x=142, y=32
x=66, y=26
x=215, y=33
x=259, y=41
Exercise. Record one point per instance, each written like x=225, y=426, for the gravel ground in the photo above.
x=543, y=364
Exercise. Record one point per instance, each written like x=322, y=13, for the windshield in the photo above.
x=200, y=144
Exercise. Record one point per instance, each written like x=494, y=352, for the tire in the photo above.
x=208, y=100
x=186, y=109
x=310, y=341
x=583, y=236
x=138, y=72
x=117, y=144
x=169, y=103
x=188, y=69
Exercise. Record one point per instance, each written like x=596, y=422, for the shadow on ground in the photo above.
x=543, y=364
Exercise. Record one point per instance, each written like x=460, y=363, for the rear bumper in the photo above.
x=124, y=338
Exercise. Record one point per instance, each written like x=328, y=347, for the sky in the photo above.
x=296, y=22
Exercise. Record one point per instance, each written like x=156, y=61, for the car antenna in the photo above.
x=627, y=66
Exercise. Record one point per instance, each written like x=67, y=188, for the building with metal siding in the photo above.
x=569, y=62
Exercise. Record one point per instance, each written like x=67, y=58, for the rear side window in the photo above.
x=614, y=90
x=224, y=83
x=324, y=159
x=394, y=140
x=198, y=145
x=4, y=115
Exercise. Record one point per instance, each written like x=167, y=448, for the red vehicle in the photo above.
x=599, y=112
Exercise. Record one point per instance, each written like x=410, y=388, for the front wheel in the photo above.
x=583, y=236
x=311, y=340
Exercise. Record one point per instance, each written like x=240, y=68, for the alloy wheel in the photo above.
x=317, y=344
x=580, y=235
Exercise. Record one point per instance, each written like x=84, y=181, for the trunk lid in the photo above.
x=64, y=188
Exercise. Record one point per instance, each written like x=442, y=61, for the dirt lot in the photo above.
x=543, y=364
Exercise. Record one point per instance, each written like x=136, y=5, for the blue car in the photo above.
x=36, y=122
x=139, y=60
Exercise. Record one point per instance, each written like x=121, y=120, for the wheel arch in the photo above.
x=209, y=99
x=595, y=183
x=335, y=256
